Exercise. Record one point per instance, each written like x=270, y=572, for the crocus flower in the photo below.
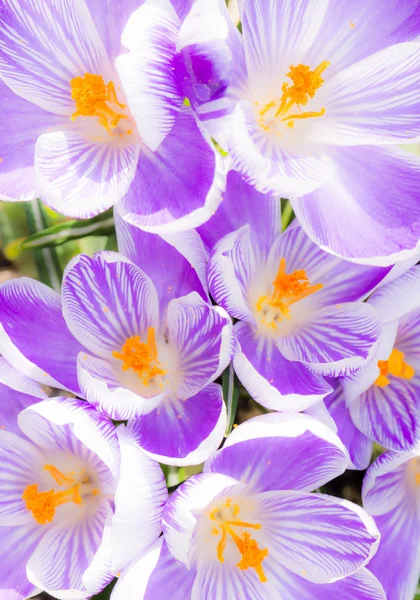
x=147, y=345
x=78, y=498
x=383, y=397
x=320, y=92
x=249, y=528
x=299, y=309
x=391, y=494
x=83, y=131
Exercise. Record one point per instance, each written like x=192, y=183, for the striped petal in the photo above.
x=317, y=537
x=147, y=70
x=107, y=299
x=44, y=45
x=398, y=298
x=81, y=177
x=16, y=547
x=389, y=415
x=334, y=340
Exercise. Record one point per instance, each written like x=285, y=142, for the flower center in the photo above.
x=95, y=99
x=227, y=525
x=288, y=289
x=43, y=505
x=304, y=85
x=142, y=357
x=396, y=366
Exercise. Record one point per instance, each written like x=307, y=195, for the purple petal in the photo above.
x=34, y=337
x=147, y=70
x=155, y=574
x=335, y=339
x=398, y=298
x=374, y=101
x=106, y=300
x=183, y=432
x=232, y=267
x=82, y=177
x=202, y=337
x=317, y=537
x=177, y=264
x=139, y=500
x=16, y=547
x=244, y=205
x=272, y=380
x=397, y=562
x=44, y=46
x=21, y=124
x=381, y=193
x=281, y=452
x=389, y=415
x=180, y=185
x=358, y=445
x=362, y=585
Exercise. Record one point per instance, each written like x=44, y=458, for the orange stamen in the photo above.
x=395, y=366
x=142, y=357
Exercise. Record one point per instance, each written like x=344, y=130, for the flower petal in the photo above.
x=381, y=194
x=389, y=415
x=183, y=432
x=318, y=537
x=244, y=205
x=202, y=337
x=359, y=446
x=335, y=339
x=231, y=269
x=272, y=380
x=374, y=101
x=107, y=299
x=180, y=185
x=81, y=177
x=147, y=70
x=176, y=263
x=139, y=500
x=43, y=46
x=34, y=337
x=155, y=574
x=281, y=452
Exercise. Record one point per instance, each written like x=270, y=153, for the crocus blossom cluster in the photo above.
x=199, y=133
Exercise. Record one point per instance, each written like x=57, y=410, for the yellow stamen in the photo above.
x=92, y=98
x=288, y=289
x=395, y=366
x=142, y=357
x=42, y=505
x=252, y=556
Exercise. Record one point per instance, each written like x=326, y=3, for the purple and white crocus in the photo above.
x=383, y=398
x=78, y=499
x=85, y=123
x=249, y=528
x=391, y=494
x=299, y=308
x=143, y=345
x=317, y=87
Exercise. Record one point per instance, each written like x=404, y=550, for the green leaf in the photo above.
x=287, y=214
x=230, y=385
x=102, y=225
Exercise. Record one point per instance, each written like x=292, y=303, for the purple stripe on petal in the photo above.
x=398, y=298
x=16, y=547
